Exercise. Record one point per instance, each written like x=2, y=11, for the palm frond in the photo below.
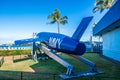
x=95, y=9
x=57, y=13
x=52, y=22
x=51, y=16
x=63, y=22
x=101, y=8
x=111, y=3
x=64, y=17
x=99, y=2
x=103, y=4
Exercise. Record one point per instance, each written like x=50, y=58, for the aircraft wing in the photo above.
x=24, y=41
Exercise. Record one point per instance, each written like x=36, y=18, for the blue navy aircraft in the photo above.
x=60, y=42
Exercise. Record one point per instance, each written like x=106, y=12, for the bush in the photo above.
x=14, y=52
x=5, y=53
x=26, y=51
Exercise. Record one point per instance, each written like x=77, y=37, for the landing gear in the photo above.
x=44, y=52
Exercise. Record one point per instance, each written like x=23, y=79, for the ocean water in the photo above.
x=15, y=47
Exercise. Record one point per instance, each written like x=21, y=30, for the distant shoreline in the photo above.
x=15, y=47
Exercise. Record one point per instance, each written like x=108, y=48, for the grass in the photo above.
x=107, y=66
x=50, y=66
x=14, y=52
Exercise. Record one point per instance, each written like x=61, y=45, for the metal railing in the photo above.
x=17, y=75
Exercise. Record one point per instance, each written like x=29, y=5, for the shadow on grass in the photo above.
x=49, y=66
x=18, y=60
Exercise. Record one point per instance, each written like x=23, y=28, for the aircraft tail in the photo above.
x=81, y=28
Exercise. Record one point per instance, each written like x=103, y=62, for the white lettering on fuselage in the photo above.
x=55, y=42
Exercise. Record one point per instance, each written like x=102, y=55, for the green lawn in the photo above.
x=50, y=66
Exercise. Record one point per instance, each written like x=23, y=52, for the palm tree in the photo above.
x=56, y=17
x=91, y=36
x=103, y=4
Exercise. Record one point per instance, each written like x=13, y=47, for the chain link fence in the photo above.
x=16, y=75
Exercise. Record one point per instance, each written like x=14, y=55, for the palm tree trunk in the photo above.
x=58, y=27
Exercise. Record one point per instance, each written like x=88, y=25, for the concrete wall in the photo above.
x=111, y=44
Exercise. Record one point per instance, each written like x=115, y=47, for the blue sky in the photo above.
x=20, y=18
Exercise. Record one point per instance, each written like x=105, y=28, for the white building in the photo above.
x=109, y=28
